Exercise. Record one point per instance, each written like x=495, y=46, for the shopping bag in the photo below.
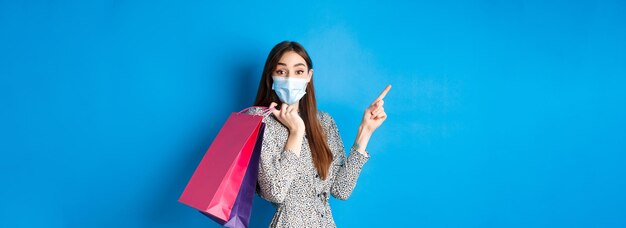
x=242, y=209
x=215, y=184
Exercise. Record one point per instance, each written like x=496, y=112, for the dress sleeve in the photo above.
x=277, y=167
x=345, y=171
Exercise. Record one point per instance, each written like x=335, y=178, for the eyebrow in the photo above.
x=298, y=64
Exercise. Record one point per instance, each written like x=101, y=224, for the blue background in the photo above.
x=502, y=113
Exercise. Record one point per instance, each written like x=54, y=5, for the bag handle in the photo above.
x=266, y=110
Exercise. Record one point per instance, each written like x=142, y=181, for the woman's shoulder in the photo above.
x=324, y=117
x=326, y=120
x=254, y=110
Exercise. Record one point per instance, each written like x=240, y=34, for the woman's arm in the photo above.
x=294, y=142
x=345, y=171
x=362, y=138
x=277, y=165
x=373, y=117
x=277, y=170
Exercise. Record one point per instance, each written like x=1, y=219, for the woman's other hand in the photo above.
x=375, y=114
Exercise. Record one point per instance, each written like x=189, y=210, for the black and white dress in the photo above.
x=291, y=183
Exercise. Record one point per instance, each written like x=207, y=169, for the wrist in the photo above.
x=296, y=132
x=364, y=131
x=362, y=138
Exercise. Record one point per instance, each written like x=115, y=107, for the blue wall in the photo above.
x=502, y=114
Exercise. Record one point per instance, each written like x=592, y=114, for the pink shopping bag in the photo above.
x=215, y=183
x=242, y=209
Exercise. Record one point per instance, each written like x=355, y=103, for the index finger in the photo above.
x=382, y=95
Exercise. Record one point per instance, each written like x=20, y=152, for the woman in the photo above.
x=297, y=175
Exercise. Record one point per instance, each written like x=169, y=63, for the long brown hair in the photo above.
x=320, y=152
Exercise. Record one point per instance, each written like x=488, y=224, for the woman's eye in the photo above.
x=300, y=72
x=280, y=71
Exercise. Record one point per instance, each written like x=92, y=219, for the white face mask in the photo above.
x=289, y=89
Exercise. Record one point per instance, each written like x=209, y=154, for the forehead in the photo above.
x=292, y=58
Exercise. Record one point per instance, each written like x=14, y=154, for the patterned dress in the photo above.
x=291, y=183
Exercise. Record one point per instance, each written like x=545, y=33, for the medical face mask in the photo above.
x=289, y=89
